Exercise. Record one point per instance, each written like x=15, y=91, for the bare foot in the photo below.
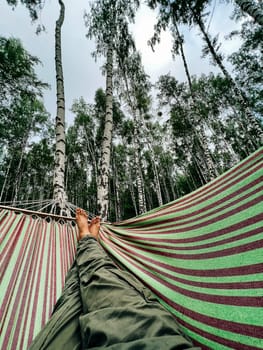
x=82, y=223
x=94, y=227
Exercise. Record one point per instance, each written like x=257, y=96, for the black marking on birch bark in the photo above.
x=58, y=76
x=60, y=140
x=103, y=159
x=109, y=121
x=60, y=128
x=58, y=186
x=61, y=152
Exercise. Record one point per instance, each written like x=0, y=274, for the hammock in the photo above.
x=202, y=255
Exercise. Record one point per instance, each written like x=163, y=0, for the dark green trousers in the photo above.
x=104, y=307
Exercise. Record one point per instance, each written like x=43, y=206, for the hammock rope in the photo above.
x=41, y=206
x=202, y=255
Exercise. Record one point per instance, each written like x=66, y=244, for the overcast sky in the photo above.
x=82, y=75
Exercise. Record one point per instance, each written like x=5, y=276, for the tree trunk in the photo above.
x=254, y=10
x=201, y=169
x=116, y=186
x=149, y=198
x=238, y=92
x=156, y=179
x=103, y=187
x=19, y=170
x=141, y=196
x=143, y=191
x=137, y=164
x=67, y=175
x=166, y=192
x=132, y=192
x=141, y=199
x=226, y=145
x=212, y=171
x=183, y=57
x=186, y=174
x=59, y=193
x=192, y=179
x=91, y=151
x=167, y=174
x=149, y=141
x=200, y=134
x=6, y=178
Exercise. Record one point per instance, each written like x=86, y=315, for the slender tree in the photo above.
x=134, y=87
x=59, y=195
x=105, y=23
x=198, y=128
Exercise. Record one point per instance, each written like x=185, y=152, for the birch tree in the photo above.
x=129, y=75
x=105, y=23
x=59, y=194
x=209, y=165
x=134, y=86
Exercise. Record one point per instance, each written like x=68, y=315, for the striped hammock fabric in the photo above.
x=36, y=254
x=202, y=255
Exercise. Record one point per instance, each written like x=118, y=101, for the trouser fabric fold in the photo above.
x=104, y=307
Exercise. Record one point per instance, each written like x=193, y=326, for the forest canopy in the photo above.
x=140, y=143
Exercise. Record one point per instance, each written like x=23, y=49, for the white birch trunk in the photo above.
x=91, y=151
x=139, y=178
x=212, y=171
x=200, y=134
x=171, y=183
x=132, y=192
x=103, y=187
x=59, y=193
x=149, y=141
x=139, y=181
x=116, y=185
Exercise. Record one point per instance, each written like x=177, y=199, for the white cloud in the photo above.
x=143, y=31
